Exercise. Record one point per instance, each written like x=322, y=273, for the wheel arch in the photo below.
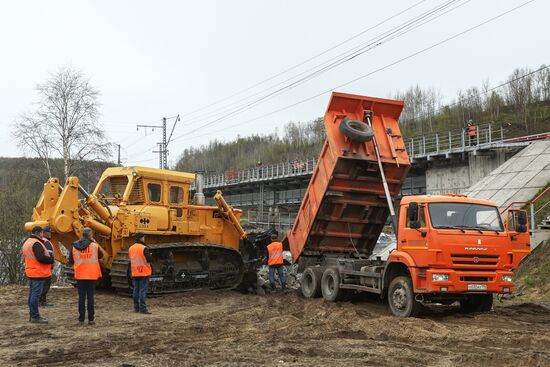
x=392, y=270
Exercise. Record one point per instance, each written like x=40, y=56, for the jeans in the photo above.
x=45, y=289
x=141, y=285
x=281, y=270
x=85, y=292
x=35, y=290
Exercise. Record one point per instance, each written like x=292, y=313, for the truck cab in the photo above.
x=457, y=248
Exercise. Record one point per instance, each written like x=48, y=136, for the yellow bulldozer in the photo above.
x=193, y=245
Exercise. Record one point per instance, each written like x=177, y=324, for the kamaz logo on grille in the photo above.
x=476, y=259
x=476, y=248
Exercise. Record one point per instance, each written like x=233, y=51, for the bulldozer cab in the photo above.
x=159, y=196
x=144, y=186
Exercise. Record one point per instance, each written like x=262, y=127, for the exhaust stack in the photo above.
x=198, y=198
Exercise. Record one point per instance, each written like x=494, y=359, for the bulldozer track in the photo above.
x=226, y=272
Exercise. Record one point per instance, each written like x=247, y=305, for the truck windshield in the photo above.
x=465, y=216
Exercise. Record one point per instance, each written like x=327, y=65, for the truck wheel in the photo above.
x=486, y=303
x=356, y=130
x=311, y=282
x=476, y=303
x=330, y=285
x=401, y=297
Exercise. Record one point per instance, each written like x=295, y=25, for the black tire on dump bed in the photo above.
x=356, y=130
x=401, y=297
x=311, y=282
x=476, y=303
x=330, y=285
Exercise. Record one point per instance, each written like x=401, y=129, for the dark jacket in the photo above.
x=146, y=252
x=48, y=245
x=39, y=252
x=80, y=245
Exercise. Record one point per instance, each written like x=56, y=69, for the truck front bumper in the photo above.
x=462, y=281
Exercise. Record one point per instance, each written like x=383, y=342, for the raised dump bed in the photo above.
x=345, y=206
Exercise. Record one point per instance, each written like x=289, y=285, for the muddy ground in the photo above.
x=226, y=328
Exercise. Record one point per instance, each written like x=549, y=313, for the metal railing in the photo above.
x=532, y=210
x=268, y=198
x=277, y=220
x=459, y=141
x=440, y=143
x=262, y=173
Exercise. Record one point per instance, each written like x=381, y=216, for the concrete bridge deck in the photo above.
x=441, y=162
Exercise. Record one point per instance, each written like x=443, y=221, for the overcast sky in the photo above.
x=151, y=59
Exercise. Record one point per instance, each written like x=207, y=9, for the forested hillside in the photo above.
x=298, y=141
x=520, y=103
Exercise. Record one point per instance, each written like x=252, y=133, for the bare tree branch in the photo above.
x=65, y=123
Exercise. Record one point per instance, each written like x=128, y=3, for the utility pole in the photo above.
x=160, y=151
x=118, y=159
x=163, y=146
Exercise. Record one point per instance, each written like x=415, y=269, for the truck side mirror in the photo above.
x=413, y=215
x=522, y=222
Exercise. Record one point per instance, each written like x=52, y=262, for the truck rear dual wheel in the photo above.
x=476, y=303
x=401, y=298
x=311, y=282
x=330, y=285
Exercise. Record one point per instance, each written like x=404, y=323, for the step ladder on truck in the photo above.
x=450, y=248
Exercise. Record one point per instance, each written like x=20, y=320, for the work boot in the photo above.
x=91, y=322
x=146, y=312
x=39, y=320
x=46, y=304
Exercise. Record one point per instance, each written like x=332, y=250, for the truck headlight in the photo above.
x=440, y=277
x=507, y=278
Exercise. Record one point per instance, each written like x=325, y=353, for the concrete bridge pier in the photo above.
x=457, y=173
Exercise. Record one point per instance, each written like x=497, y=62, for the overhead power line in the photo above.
x=448, y=39
x=350, y=54
x=345, y=57
x=245, y=103
x=303, y=62
x=484, y=92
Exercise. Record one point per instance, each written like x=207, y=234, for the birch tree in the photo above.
x=65, y=123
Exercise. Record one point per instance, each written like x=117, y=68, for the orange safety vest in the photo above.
x=138, y=263
x=86, y=263
x=472, y=130
x=33, y=267
x=275, y=251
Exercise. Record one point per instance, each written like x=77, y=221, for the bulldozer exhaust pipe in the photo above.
x=198, y=198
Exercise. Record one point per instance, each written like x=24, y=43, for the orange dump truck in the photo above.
x=450, y=248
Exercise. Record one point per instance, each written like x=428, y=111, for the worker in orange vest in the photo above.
x=85, y=256
x=472, y=132
x=37, y=268
x=275, y=262
x=47, y=236
x=141, y=270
